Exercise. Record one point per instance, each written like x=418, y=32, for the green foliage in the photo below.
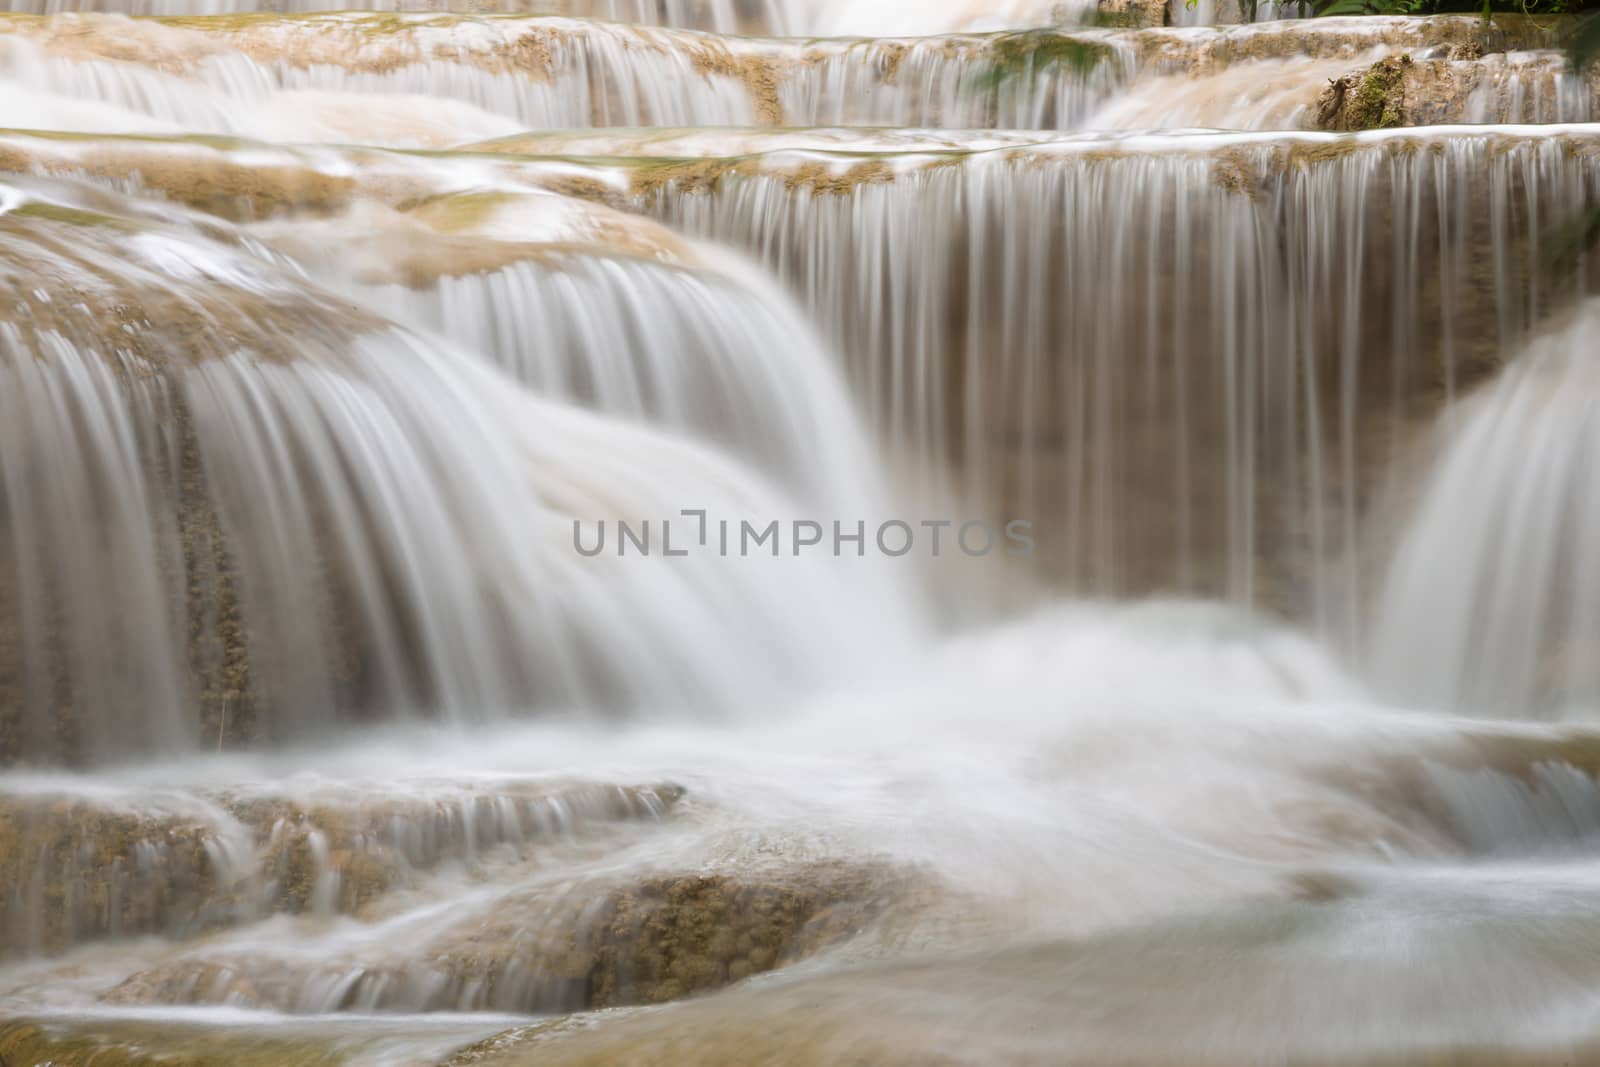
x=1377, y=102
x=1565, y=243
x=1248, y=8
x=1583, y=46
x=1442, y=7
x=1022, y=55
x=1582, y=39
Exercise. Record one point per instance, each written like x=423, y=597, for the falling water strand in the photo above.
x=1492, y=600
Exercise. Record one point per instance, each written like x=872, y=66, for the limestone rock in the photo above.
x=656, y=938
x=1463, y=88
x=74, y=870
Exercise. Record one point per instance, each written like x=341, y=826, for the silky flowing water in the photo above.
x=732, y=531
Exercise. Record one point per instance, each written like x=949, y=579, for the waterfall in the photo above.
x=1490, y=603
x=797, y=18
x=1233, y=332
x=1058, y=525
x=299, y=78
x=434, y=80
x=699, y=354
x=257, y=526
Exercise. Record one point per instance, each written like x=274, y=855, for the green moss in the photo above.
x=1014, y=56
x=1378, y=102
x=135, y=1044
x=457, y=212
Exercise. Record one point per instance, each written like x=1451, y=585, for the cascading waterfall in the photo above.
x=682, y=345
x=1059, y=528
x=1490, y=602
x=796, y=18
x=300, y=78
x=296, y=498
x=433, y=80
x=1252, y=412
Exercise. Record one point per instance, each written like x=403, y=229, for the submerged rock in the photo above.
x=75, y=869
x=581, y=945
x=674, y=935
x=130, y=1044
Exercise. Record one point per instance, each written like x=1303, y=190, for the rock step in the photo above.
x=80, y=868
x=229, y=75
x=594, y=942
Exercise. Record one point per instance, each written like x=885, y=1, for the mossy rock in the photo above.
x=129, y=1044
x=1370, y=99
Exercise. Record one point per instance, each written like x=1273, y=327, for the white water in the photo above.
x=1492, y=593
x=433, y=81
x=797, y=18
x=365, y=483
x=1189, y=354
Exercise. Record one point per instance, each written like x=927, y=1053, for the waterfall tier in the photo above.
x=1240, y=333
x=434, y=80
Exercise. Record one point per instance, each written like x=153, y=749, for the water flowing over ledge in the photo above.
x=330, y=340
x=1491, y=589
x=783, y=18
x=1298, y=305
x=434, y=80
x=282, y=466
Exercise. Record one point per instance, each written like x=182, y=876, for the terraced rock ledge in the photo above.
x=77, y=869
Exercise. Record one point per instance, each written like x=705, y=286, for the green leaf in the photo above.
x=1346, y=7
x=1584, y=45
x=1566, y=242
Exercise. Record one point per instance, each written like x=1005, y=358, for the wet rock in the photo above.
x=1132, y=13
x=1404, y=91
x=121, y=1044
x=674, y=935
x=74, y=870
x=1366, y=100
x=583, y=945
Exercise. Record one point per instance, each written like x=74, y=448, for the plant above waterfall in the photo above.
x=1443, y=7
